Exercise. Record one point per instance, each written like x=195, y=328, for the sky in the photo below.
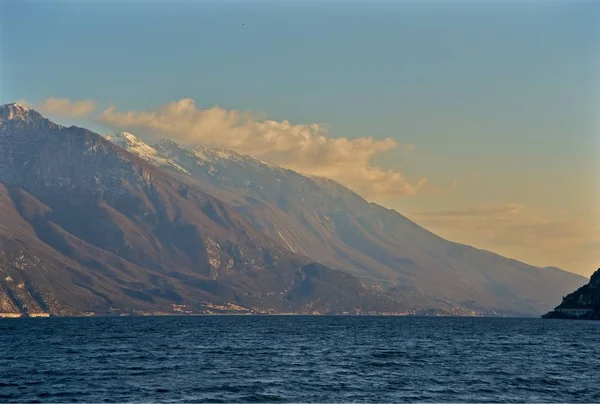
x=476, y=119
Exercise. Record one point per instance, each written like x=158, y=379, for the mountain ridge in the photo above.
x=261, y=193
x=89, y=227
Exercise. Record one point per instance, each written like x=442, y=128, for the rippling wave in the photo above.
x=299, y=359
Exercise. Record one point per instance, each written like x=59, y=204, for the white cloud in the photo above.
x=304, y=148
x=68, y=108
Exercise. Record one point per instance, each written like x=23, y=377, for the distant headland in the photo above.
x=583, y=304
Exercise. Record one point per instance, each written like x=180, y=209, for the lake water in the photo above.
x=299, y=359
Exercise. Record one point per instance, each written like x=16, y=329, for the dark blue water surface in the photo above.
x=299, y=359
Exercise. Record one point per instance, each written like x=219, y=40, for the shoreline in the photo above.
x=21, y=317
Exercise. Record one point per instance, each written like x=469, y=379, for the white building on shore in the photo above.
x=575, y=312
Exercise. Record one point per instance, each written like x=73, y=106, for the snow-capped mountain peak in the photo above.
x=18, y=111
x=125, y=139
x=20, y=106
x=134, y=145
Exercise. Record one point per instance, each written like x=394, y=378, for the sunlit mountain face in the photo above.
x=324, y=220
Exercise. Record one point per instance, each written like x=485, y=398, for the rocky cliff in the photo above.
x=583, y=304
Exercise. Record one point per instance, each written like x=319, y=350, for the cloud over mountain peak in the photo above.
x=305, y=148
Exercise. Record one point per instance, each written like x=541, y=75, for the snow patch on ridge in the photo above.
x=287, y=242
x=134, y=145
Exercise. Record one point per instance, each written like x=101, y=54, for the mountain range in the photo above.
x=93, y=224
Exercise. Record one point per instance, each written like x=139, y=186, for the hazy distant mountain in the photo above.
x=88, y=227
x=329, y=223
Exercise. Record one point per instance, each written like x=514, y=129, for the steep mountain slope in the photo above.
x=320, y=218
x=88, y=227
